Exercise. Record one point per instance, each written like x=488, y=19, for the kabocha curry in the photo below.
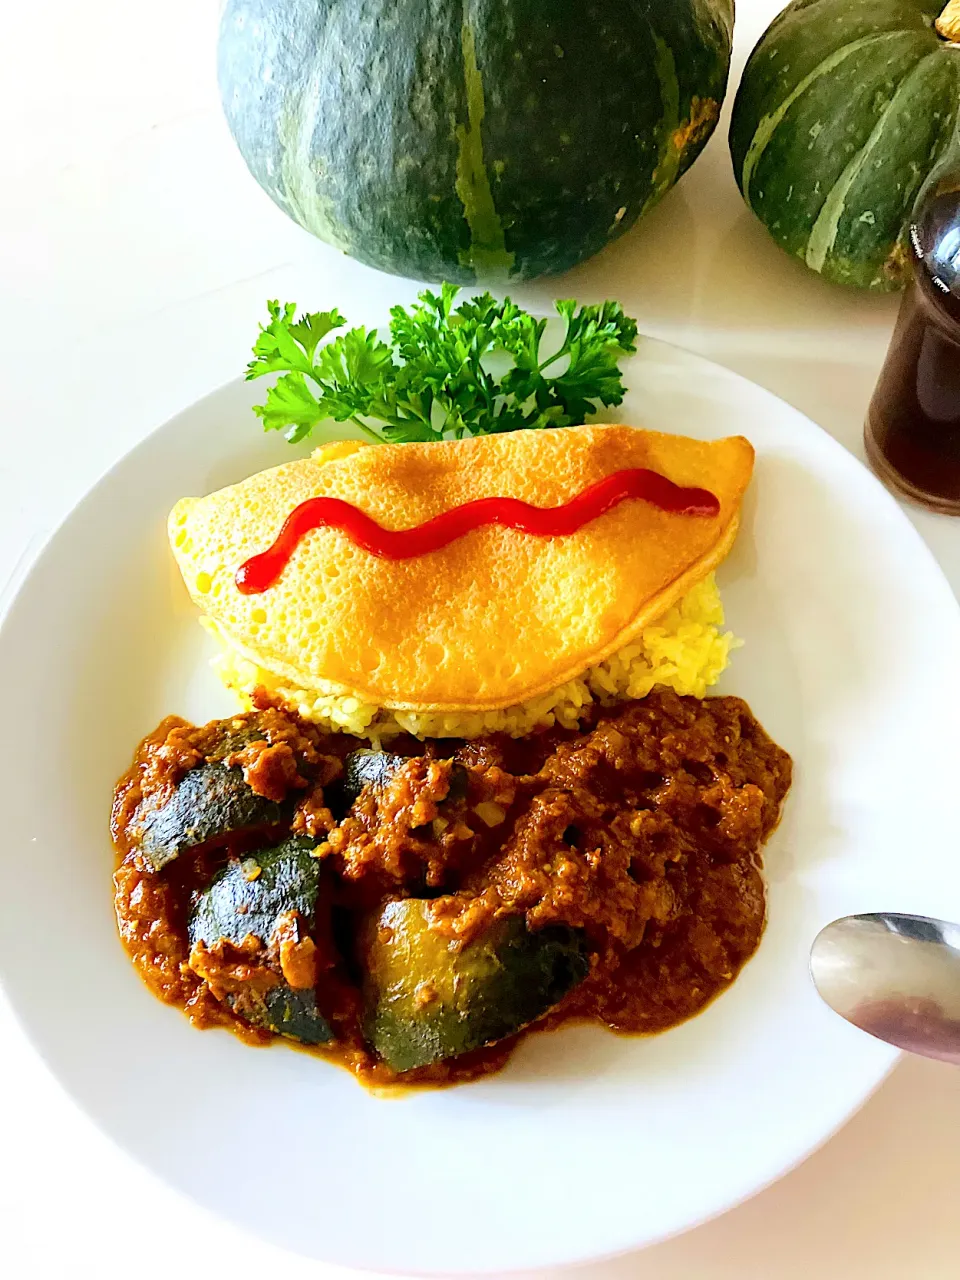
x=410, y=911
x=476, y=788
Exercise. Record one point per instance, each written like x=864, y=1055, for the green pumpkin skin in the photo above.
x=428, y=1000
x=844, y=109
x=471, y=139
x=209, y=804
x=234, y=905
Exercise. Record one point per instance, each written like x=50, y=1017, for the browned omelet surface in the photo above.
x=496, y=617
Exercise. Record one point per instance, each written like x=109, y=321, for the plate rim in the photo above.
x=36, y=548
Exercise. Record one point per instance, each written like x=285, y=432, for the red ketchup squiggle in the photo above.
x=262, y=571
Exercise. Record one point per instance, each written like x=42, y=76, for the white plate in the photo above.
x=588, y=1143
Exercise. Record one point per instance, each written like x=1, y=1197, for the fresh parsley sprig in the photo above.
x=432, y=380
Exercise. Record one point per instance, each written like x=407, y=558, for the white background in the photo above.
x=135, y=257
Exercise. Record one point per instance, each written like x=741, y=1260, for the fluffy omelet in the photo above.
x=499, y=630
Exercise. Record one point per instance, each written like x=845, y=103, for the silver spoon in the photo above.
x=895, y=976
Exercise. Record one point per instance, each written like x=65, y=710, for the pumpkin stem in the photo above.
x=948, y=24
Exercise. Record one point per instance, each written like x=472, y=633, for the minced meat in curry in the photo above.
x=411, y=912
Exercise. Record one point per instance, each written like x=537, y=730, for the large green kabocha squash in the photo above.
x=844, y=109
x=466, y=139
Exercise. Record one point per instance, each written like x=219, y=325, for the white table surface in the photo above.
x=135, y=257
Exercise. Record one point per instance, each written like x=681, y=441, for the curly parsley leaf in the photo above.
x=287, y=345
x=435, y=378
x=292, y=407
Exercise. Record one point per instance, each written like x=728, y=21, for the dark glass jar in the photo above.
x=913, y=424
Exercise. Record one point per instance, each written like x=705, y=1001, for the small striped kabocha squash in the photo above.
x=845, y=108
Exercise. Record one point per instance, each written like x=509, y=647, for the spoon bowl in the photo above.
x=896, y=977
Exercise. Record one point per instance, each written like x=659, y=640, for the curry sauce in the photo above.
x=632, y=844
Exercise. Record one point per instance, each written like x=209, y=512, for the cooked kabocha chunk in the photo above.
x=289, y=1013
x=249, y=894
x=426, y=999
x=210, y=803
x=271, y=896
x=366, y=768
x=458, y=784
